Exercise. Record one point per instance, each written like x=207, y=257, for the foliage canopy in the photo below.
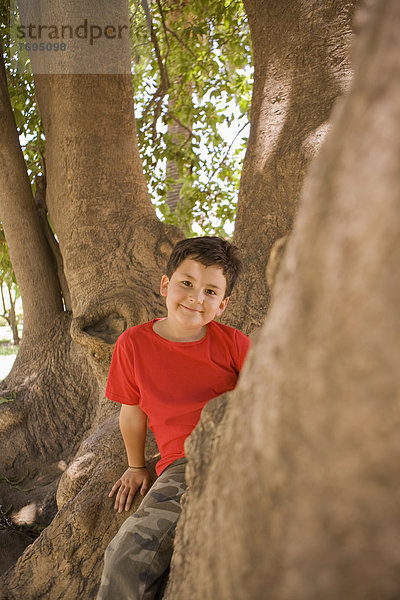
x=191, y=66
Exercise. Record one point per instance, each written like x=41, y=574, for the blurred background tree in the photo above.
x=9, y=291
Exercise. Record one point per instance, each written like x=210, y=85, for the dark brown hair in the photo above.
x=209, y=251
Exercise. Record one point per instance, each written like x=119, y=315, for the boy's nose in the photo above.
x=196, y=296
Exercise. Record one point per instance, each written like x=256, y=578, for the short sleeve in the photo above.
x=242, y=346
x=121, y=384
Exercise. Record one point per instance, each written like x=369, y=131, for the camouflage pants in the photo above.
x=136, y=561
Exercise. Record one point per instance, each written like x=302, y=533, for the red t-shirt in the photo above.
x=172, y=381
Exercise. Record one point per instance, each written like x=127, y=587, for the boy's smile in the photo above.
x=194, y=297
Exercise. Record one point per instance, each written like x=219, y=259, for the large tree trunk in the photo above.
x=34, y=391
x=296, y=496
x=112, y=282
x=301, y=65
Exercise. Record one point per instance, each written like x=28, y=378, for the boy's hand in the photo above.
x=127, y=487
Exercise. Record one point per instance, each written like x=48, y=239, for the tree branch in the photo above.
x=29, y=252
x=174, y=118
x=153, y=37
x=218, y=167
x=164, y=26
x=40, y=203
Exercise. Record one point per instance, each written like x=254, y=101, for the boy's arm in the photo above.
x=133, y=426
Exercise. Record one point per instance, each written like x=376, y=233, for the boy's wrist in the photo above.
x=134, y=468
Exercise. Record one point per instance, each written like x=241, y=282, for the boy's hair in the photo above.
x=209, y=251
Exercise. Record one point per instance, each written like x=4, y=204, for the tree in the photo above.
x=307, y=475
x=301, y=65
x=113, y=250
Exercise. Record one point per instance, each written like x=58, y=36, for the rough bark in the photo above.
x=66, y=560
x=301, y=65
x=33, y=428
x=296, y=496
x=303, y=335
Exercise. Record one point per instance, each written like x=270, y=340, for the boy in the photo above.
x=166, y=371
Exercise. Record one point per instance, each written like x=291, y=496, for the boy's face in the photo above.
x=194, y=294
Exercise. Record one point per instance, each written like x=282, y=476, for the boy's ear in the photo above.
x=222, y=306
x=164, y=285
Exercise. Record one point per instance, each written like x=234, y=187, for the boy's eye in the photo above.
x=187, y=283
x=211, y=292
